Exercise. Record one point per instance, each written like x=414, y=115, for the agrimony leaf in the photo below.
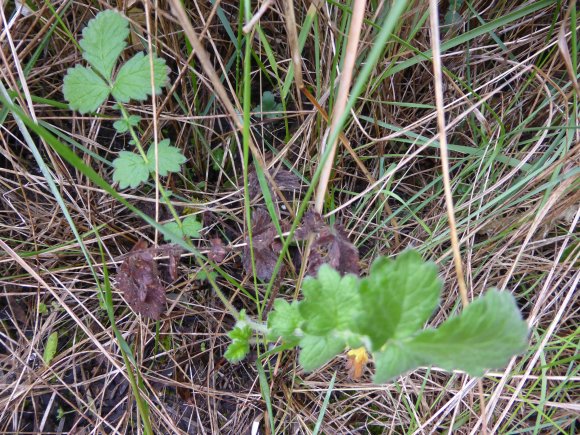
x=240, y=345
x=318, y=350
x=398, y=296
x=485, y=335
x=133, y=81
x=104, y=40
x=394, y=361
x=50, y=348
x=122, y=125
x=130, y=170
x=331, y=302
x=284, y=320
x=190, y=226
x=170, y=158
x=84, y=90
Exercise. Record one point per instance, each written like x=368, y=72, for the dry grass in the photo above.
x=511, y=111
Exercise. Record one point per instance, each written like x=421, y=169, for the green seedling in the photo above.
x=384, y=313
x=86, y=88
x=268, y=105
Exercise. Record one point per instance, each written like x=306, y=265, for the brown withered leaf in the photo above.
x=285, y=180
x=138, y=279
x=311, y=223
x=332, y=247
x=218, y=251
x=266, y=247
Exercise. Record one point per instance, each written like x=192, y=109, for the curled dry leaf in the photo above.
x=138, y=279
x=332, y=247
x=218, y=251
x=285, y=180
x=311, y=223
x=266, y=247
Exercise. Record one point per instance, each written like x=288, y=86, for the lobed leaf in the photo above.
x=122, y=125
x=133, y=81
x=485, y=335
x=190, y=227
x=398, y=297
x=84, y=89
x=170, y=158
x=284, y=320
x=104, y=41
x=240, y=345
x=315, y=351
x=130, y=170
x=331, y=302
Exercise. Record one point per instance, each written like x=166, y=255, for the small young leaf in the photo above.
x=170, y=158
x=122, y=125
x=50, y=348
x=133, y=81
x=42, y=308
x=104, y=40
x=484, y=336
x=398, y=296
x=130, y=170
x=318, y=350
x=284, y=320
x=84, y=89
x=331, y=302
x=189, y=227
x=240, y=345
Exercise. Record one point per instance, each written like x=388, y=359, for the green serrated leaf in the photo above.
x=284, y=320
x=50, y=348
x=84, y=90
x=484, y=336
x=240, y=345
x=190, y=226
x=331, y=302
x=104, y=40
x=237, y=351
x=133, y=81
x=394, y=361
x=122, y=125
x=318, y=350
x=130, y=170
x=170, y=158
x=398, y=297
x=42, y=308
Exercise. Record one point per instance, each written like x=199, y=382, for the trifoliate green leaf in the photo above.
x=240, y=345
x=170, y=158
x=133, y=81
x=84, y=90
x=394, y=361
x=484, y=336
x=331, y=302
x=122, y=125
x=318, y=350
x=190, y=226
x=104, y=40
x=398, y=296
x=284, y=320
x=50, y=348
x=130, y=170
